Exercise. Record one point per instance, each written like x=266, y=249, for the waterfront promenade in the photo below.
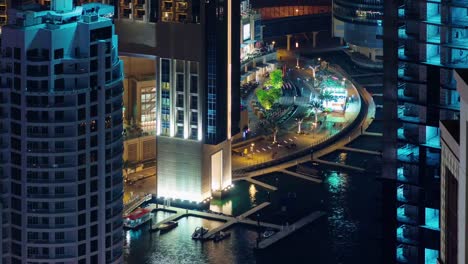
x=310, y=152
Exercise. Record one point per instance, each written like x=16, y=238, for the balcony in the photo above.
x=50, y=166
x=407, y=113
x=407, y=214
x=407, y=234
x=49, y=151
x=407, y=194
x=51, y=211
x=404, y=175
x=408, y=153
x=406, y=254
x=50, y=195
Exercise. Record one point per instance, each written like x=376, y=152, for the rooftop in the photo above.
x=453, y=128
x=463, y=73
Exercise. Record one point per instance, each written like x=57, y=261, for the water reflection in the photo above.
x=221, y=206
x=342, y=158
x=342, y=227
x=252, y=194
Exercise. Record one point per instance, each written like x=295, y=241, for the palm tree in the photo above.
x=316, y=106
x=326, y=96
x=299, y=119
x=271, y=123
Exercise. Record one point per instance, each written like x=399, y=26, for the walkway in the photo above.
x=135, y=203
x=290, y=229
x=259, y=183
x=374, y=134
x=240, y=219
x=336, y=164
x=365, y=151
x=291, y=144
x=229, y=220
x=311, y=178
x=365, y=118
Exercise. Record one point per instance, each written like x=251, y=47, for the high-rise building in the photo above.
x=61, y=136
x=198, y=102
x=359, y=23
x=423, y=42
x=453, y=187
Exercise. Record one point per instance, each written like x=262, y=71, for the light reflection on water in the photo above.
x=343, y=227
x=347, y=231
x=177, y=246
x=221, y=206
x=252, y=194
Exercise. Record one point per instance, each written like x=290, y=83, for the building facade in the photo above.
x=197, y=96
x=359, y=23
x=453, y=195
x=61, y=136
x=425, y=41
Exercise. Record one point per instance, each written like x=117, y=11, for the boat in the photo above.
x=137, y=218
x=199, y=233
x=168, y=226
x=221, y=235
x=268, y=233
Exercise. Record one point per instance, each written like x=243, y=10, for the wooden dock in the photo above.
x=311, y=178
x=259, y=183
x=239, y=219
x=365, y=151
x=374, y=134
x=290, y=229
x=336, y=164
x=228, y=220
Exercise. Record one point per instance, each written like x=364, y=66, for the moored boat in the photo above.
x=268, y=233
x=199, y=233
x=168, y=225
x=137, y=218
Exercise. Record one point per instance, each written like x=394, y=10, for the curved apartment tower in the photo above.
x=359, y=23
x=61, y=136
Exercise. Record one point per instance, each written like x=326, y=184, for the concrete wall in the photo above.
x=140, y=149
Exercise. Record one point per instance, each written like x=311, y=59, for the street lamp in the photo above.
x=273, y=42
x=297, y=44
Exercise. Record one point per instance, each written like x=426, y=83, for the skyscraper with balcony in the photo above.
x=424, y=41
x=198, y=96
x=359, y=23
x=61, y=136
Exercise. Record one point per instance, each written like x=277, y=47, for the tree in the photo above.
x=265, y=98
x=326, y=96
x=276, y=79
x=316, y=106
x=271, y=123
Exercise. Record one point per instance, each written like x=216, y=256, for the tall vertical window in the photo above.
x=165, y=97
x=148, y=109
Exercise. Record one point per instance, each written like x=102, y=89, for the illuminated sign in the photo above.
x=246, y=32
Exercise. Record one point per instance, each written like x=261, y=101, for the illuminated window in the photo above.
x=181, y=6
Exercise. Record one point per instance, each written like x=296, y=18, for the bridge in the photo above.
x=135, y=203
